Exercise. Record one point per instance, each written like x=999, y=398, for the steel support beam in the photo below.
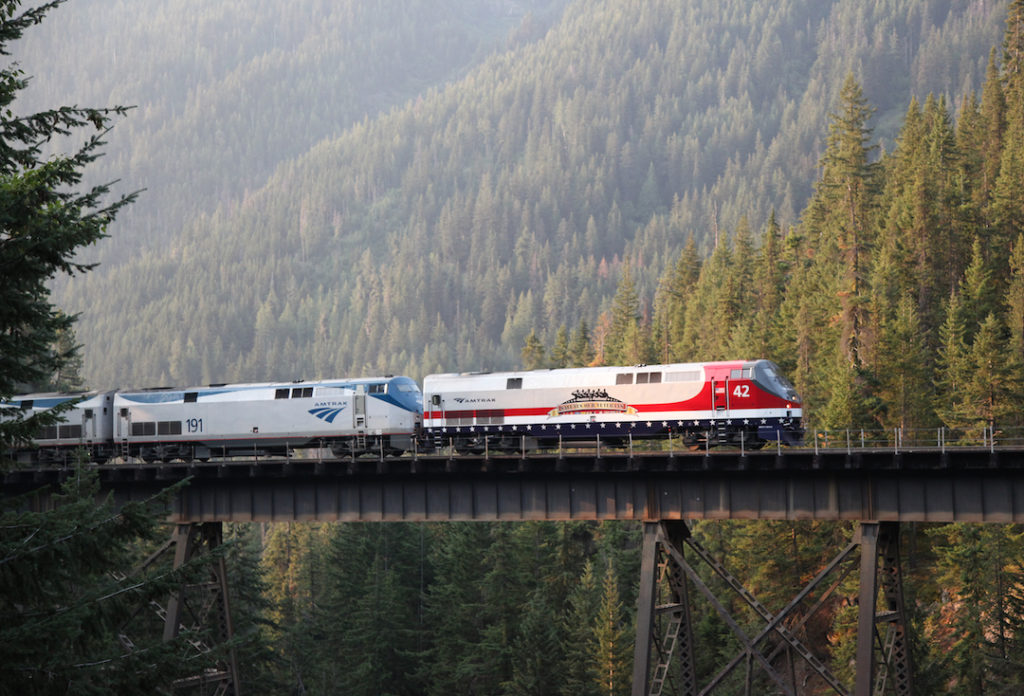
x=878, y=660
x=642, y=647
x=882, y=667
x=202, y=606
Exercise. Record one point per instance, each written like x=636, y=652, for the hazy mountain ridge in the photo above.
x=436, y=236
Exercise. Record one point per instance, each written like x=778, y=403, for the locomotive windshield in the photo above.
x=769, y=378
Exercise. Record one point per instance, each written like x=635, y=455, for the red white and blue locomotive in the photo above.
x=704, y=403
x=717, y=403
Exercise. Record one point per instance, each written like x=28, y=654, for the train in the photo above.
x=746, y=403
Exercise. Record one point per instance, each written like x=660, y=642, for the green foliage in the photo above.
x=46, y=218
x=981, y=617
x=69, y=613
x=611, y=657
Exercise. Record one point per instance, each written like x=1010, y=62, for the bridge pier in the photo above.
x=203, y=606
x=664, y=629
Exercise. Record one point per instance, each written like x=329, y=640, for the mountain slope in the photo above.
x=435, y=236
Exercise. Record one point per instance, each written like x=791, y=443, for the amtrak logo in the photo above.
x=326, y=413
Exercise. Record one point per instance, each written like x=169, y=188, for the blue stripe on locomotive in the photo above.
x=408, y=399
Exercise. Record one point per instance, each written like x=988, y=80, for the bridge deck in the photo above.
x=927, y=485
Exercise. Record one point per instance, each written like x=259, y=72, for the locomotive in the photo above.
x=705, y=404
x=715, y=403
x=348, y=416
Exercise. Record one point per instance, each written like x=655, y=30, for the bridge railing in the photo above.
x=851, y=439
x=940, y=438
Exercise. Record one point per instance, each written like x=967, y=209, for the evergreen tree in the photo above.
x=611, y=656
x=904, y=386
x=560, y=352
x=952, y=370
x=533, y=352
x=68, y=377
x=46, y=220
x=978, y=290
x=991, y=126
x=844, y=196
x=980, y=565
x=992, y=391
x=1014, y=309
x=581, y=353
x=626, y=343
x=670, y=302
x=769, y=289
x=458, y=613
x=64, y=612
x=71, y=619
x=537, y=649
x=249, y=608
x=580, y=618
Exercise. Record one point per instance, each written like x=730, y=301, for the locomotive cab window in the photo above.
x=514, y=383
x=190, y=397
x=378, y=389
x=745, y=373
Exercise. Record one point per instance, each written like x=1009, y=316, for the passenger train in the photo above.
x=703, y=404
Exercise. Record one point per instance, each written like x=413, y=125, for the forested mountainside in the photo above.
x=227, y=91
x=437, y=234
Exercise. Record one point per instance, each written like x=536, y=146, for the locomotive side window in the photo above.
x=490, y=417
x=514, y=383
x=190, y=397
x=144, y=428
x=26, y=405
x=655, y=378
x=302, y=392
x=625, y=378
x=69, y=431
x=281, y=393
x=642, y=377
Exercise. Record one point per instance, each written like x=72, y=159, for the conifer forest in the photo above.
x=321, y=189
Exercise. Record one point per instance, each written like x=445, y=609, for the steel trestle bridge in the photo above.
x=875, y=480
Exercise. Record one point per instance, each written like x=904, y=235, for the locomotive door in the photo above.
x=359, y=409
x=124, y=423
x=720, y=398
